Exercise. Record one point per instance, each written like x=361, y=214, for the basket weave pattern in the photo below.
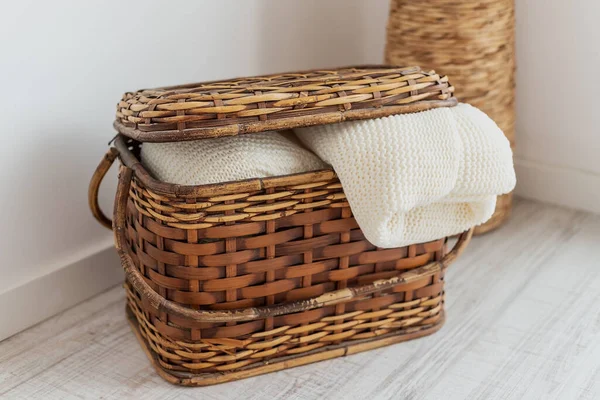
x=278, y=245
x=242, y=263
x=304, y=333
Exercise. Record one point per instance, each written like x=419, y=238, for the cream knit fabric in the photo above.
x=417, y=177
x=227, y=159
x=485, y=165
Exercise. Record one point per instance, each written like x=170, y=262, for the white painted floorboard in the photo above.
x=523, y=322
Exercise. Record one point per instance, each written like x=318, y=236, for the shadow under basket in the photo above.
x=238, y=279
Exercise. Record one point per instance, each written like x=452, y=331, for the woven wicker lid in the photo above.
x=280, y=101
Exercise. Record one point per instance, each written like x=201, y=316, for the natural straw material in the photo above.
x=230, y=280
x=473, y=41
x=280, y=101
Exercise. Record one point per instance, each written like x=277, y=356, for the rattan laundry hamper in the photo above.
x=231, y=280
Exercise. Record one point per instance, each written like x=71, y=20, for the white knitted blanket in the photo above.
x=417, y=177
x=408, y=178
x=226, y=159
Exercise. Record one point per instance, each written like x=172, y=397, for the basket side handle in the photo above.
x=94, y=188
x=160, y=304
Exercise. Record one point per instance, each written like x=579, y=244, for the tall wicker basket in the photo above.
x=235, y=279
x=473, y=40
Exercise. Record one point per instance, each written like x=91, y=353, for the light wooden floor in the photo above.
x=523, y=322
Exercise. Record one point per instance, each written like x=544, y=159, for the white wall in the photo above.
x=63, y=67
x=558, y=119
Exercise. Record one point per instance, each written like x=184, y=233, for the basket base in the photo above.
x=277, y=364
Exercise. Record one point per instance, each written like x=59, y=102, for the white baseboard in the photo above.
x=45, y=296
x=565, y=186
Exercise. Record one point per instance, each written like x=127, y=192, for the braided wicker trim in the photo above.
x=231, y=354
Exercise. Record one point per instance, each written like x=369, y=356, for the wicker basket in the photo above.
x=236, y=279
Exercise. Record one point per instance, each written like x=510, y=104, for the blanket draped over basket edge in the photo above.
x=409, y=178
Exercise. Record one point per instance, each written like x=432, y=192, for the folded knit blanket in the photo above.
x=227, y=159
x=417, y=177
